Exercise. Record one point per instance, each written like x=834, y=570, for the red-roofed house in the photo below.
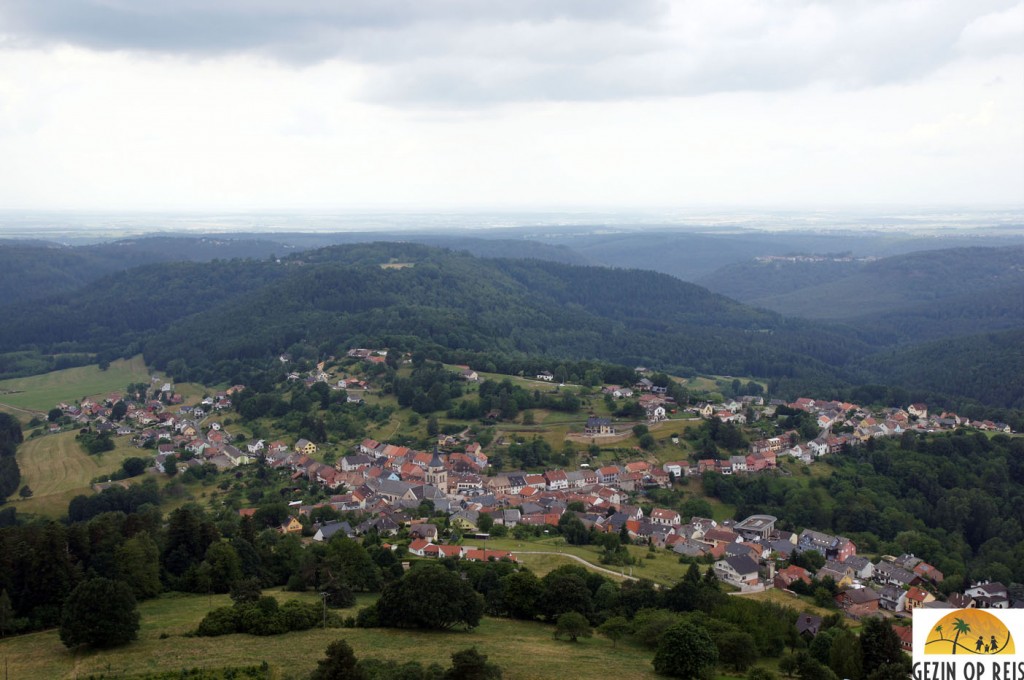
x=917, y=597
x=664, y=517
x=418, y=546
x=927, y=571
x=608, y=474
x=786, y=577
x=556, y=480
x=480, y=555
x=435, y=550
x=906, y=636
x=536, y=481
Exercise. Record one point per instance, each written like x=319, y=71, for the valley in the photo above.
x=514, y=420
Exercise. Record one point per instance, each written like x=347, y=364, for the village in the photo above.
x=385, y=484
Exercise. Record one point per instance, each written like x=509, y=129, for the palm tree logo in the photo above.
x=968, y=624
x=960, y=626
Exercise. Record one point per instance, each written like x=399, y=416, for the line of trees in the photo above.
x=10, y=473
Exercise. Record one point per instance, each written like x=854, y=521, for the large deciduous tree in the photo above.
x=100, y=612
x=685, y=651
x=430, y=597
x=572, y=625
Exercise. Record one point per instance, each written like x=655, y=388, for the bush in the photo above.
x=221, y=621
x=264, y=617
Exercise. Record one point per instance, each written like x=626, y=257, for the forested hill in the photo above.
x=987, y=367
x=201, y=319
x=212, y=321
x=459, y=306
x=33, y=269
x=840, y=289
x=36, y=269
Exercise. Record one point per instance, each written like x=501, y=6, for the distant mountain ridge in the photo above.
x=33, y=269
x=206, y=315
x=916, y=297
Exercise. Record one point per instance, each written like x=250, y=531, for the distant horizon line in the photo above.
x=503, y=210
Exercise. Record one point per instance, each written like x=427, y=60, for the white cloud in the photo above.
x=462, y=104
x=996, y=33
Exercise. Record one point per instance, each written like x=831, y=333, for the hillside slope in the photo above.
x=988, y=367
x=208, y=315
x=848, y=290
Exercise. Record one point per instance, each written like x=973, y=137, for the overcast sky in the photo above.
x=529, y=104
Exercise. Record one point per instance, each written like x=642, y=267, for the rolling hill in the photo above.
x=844, y=289
x=207, y=321
x=204, y=315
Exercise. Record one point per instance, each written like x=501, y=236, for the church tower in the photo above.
x=437, y=475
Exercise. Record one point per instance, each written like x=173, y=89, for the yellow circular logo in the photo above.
x=969, y=631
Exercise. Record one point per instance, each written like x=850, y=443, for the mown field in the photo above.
x=525, y=651
x=42, y=392
x=57, y=469
x=664, y=568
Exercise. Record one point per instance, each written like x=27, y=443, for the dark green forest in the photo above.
x=196, y=317
x=10, y=437
x=839, y=289
x=214, y=322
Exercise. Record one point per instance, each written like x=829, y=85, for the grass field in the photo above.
x=42, y=392
x=23, y=415
x=525, y=651
x=802, y=604
x=664, y=568
x=57, y=469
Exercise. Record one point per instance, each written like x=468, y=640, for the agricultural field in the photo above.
x=40, y=393
x=57, y=469
x=525, y=651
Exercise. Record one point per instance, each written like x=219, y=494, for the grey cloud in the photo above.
x=478, y=52
x=280, y=27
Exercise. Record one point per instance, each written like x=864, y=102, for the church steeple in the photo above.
x=437, y=475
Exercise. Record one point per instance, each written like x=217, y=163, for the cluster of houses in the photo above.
x=356, y=387
x=897, y=585
x=147, y=422
x=652, y=398
x=858, y=423
x=888, y=422
x=388, y=492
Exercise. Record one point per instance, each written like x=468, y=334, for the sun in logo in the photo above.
x=969, y=631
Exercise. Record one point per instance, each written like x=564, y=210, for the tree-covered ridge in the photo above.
x=211, y=322
x=114, y=313
x=995, y=309
x=204, y=314
x=31, y=270
x=988, y=367
x=846, y=290
x=449, y=302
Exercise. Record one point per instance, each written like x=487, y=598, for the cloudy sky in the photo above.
x=516, y=104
